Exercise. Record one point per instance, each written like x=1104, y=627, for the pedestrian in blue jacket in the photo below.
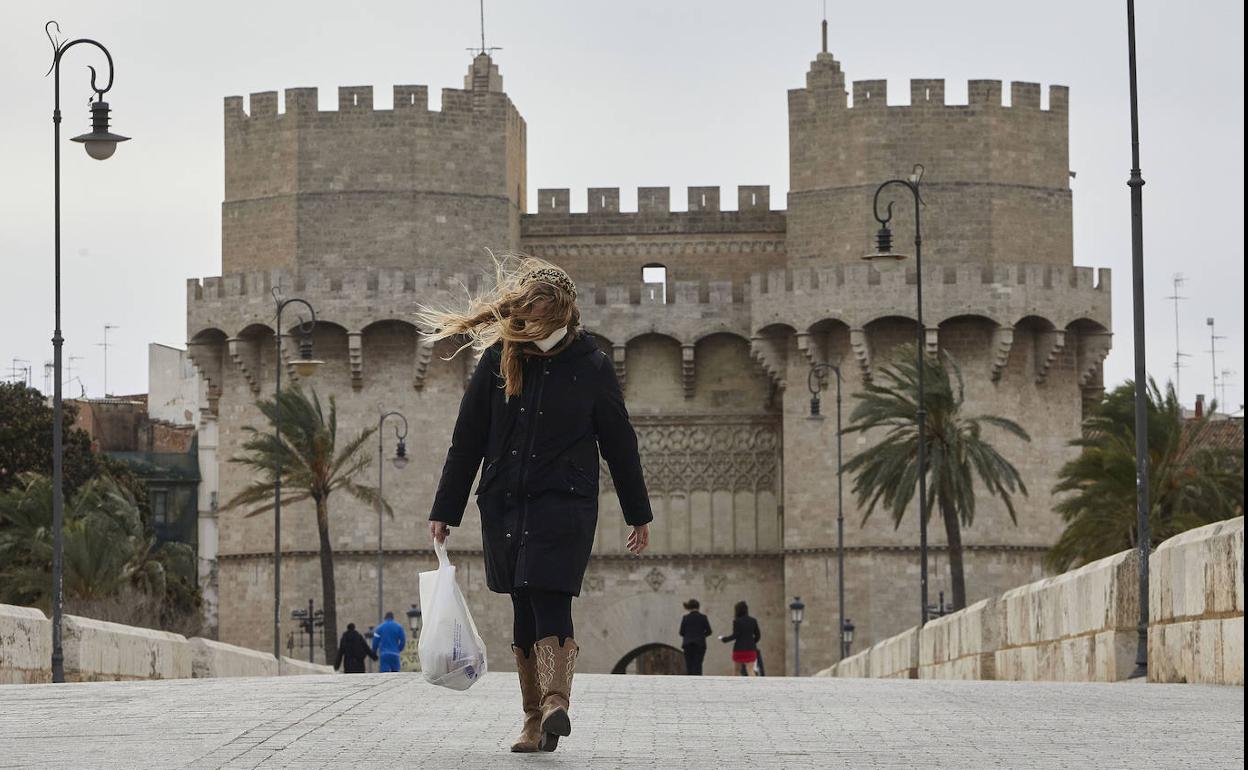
x=389, y=639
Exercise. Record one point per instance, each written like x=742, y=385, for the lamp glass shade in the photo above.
x=306, y=367
x=847, y=632
x=100, y=143
x=414, y=619
x=797, y=610
x=400, y=462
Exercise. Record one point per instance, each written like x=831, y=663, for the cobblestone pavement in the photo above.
x=398, y=720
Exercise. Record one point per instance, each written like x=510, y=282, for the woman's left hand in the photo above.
x=639, y=539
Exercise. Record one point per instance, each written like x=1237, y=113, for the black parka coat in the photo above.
x=538, y=492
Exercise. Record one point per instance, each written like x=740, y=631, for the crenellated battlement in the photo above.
x=411, y=105
x=929, y=93
x=754, y=200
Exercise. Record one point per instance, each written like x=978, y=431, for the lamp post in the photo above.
x=400, y=462
x=1136, y=183
x=100, y=144
x=814, y=382
x=884, y=251
x=414, y=621
x=305, y=366
x=847, y=637
x=309, y=621
x=797, y=610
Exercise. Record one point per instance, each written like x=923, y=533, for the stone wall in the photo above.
x=99, y=651
x=292, y=667
x=1196, y=606
x=1082, y=625
x=210, y=658
x=25, y=646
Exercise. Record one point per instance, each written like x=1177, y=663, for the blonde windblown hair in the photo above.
x=530, y=300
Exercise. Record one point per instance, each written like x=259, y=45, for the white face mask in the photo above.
x=552, y=340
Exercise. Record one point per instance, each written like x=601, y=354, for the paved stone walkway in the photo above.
x=397, y=720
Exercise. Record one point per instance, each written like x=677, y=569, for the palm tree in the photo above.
x=957, y=452
x=313, y=468
x=107, y=548
x=1191, y=480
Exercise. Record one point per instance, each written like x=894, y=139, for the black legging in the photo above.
x=539, y=614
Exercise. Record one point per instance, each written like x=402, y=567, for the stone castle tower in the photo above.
x=366, y=213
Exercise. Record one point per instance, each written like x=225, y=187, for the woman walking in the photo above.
x=542, y=403
x=744, y=637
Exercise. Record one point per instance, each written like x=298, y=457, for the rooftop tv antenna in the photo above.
x=1223, y=381
x=105, y=345
x=1177, y=280
x=484, y=49
x=1213, y=355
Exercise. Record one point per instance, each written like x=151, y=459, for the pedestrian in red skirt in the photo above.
x=744, y=638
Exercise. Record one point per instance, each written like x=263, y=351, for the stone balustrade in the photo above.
x=1081, y=625
x=99, y=651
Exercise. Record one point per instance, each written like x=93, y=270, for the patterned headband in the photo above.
x=554, y=277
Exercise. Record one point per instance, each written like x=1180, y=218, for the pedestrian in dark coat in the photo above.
x=543, y=402
x=694, y=628
x=352, y=650
x=744, y=637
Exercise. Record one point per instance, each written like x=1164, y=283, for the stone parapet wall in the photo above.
x=1082, y=625
x=25, y=645
x=961, y=645
x=1196, y=606
x=99, y=651
x=292, y=667
x=213, y=659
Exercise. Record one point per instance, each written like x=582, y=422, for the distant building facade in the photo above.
x=367, y=212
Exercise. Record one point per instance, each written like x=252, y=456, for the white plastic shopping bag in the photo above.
x=451, y=651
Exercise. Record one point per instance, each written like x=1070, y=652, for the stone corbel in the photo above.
x=771, y=357
x=206, y=358
x=242, y=356
x=1049, y=346
x=809, y=346
x=1092, y=351
x=931, y=341
x=473, y=359
x=355, y=355
x=686, y=368
x=1002, y=342
x=618, y=351
x=424, y=354
x=862, y=351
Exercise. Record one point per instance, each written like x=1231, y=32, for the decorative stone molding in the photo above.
x=242, y=355
x=1049, y=346
x=1093, y=348
x=655, y=579
x=618, y=351
x=772, y=357
x=424, y=354
x=862, y=351
x=685, y=248
x=1002, y=341
x=355, y=355
x=687, y=372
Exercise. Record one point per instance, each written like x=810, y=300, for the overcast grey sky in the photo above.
x=648, y=92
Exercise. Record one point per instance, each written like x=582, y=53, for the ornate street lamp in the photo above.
x=400, y=462
x=100, y=144
x=814, y=382
x=797, y=611
x=884, y=253
x=414, y=621
x=1136, y=183
x=305, y=366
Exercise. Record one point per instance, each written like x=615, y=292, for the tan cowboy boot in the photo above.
x=555, y=666
x=531, y=698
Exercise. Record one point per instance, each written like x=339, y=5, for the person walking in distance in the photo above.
x=543, y=402
x=352, y=650
x=744, y=637
x=389, y=639
x=694, y=629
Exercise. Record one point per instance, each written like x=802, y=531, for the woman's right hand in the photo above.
x=439, y=531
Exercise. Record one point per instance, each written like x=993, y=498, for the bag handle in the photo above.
x=440, y=550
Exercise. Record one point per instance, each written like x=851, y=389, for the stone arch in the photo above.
x=207, y=350
x=724, y=377
x=1088, y=343
x=827, y=340
x=383, y=351
x=652, y=658
x=656, y=371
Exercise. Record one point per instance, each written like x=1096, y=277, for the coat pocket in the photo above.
x=581, y=482
x=488, y=474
